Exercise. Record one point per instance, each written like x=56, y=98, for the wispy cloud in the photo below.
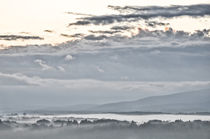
x=78, y=35
x=99, y=69
x=60, y=68
x=23, y=78
x=43, y=64
x=19, y=37
x=115, y=85
x=130, y=13
x=80, y=14
x=155, y=23
x=104, y=32
x=121, y=28
x=48, y=31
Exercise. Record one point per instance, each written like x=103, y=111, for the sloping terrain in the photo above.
x=196, y=101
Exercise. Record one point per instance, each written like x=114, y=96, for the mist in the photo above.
x=115, y=129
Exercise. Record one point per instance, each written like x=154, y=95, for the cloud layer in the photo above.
x=19, y=37
x=130, y=13
x=123, y=62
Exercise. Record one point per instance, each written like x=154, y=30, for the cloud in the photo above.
x=80, y=14
x=178, y=35
x=66, y=35
x=22, y=77
x=148, y=56
x=94, y=37
x=165, y=11
x=43, y=64
x=140, y=60
x=25, y=33
x=99, y=69
x=155, y=23
x=52, y=91
x=136, y=13
x=78, y=35
x=105, y=19
x=69, y=57
x=80, y=23
x=60, y=68
x=115, y=85
x=104, y=32
x=169, y=39
x=120, y=28
x=48, y=31
x=19, y=37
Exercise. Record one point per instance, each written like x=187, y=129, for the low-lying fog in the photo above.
x=139, y=118
x=90, y=133
x=115, y=130
x=91, y=127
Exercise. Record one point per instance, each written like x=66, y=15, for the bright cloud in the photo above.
x=43, y=64
x=68, y=57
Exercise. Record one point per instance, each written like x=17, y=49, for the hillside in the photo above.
x=195, y=101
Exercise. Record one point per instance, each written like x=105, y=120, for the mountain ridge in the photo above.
x=194, y=101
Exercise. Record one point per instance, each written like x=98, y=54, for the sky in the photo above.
x=34, y=17
x=61, y=53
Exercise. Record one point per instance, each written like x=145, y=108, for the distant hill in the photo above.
x=194, y=101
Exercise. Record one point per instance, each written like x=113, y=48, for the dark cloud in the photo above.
x=167, y=11
x=120, y=28
x=66, y=35
x=95, y=38
x=137, y=13
x=170, y=35
x=113, y=30
x=104, y=32
x=77, y=35
x=72, y=36
x=105, y=19
x=155, y=23
x=19, y=37
x=48, y=31
x=80, y=23
x=145, y=38
x=201, y=33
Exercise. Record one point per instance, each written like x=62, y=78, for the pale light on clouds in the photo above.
x=60, y=68
x=68, y=57
x=43, y=64
x=99, y=69
x=22, y=12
